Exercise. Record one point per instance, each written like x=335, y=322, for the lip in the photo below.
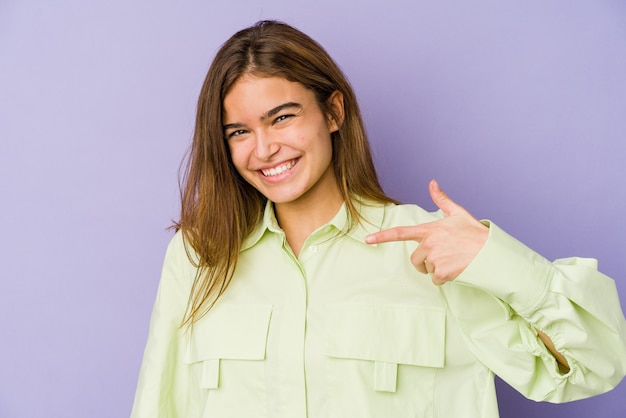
x=288, y=166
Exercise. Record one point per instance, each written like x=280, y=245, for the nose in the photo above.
x=265, y=146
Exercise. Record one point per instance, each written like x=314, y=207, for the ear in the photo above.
x=335, y=103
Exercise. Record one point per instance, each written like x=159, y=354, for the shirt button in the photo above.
x=313, y=248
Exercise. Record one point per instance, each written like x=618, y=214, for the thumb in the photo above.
x=441, y=199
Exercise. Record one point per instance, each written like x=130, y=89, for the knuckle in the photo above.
x=400, y=233
x=437, y=280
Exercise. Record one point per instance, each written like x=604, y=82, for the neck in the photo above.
x=300, y=218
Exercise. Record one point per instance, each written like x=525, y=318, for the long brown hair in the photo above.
x=219, y=208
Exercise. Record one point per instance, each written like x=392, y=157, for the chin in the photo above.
x=282, y=198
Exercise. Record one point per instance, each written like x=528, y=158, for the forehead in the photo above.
x=252, y=96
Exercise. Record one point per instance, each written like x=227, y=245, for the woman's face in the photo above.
x=279, y=139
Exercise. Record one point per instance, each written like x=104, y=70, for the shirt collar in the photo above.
x=268, y=222
x=372, y=216
x=372, y=213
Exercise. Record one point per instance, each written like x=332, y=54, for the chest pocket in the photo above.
x=226, y=354
x=384, y=358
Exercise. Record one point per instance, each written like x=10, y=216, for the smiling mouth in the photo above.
x=279, y=169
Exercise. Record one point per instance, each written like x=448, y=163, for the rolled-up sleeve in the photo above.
x=509, y=292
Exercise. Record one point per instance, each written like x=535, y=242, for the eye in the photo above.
x=236, y=133
x=282, y=118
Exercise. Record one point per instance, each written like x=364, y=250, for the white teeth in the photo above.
x=274, y=171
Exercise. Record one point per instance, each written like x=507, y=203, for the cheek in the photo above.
x=238, y=154
x=325, y=144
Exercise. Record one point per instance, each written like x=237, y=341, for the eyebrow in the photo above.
x=266, y=115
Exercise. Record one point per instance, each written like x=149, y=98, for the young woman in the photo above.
x=294, y=287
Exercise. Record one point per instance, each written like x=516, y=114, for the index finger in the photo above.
x=398, y=233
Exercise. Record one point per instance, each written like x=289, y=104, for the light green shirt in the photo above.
x=349, y=329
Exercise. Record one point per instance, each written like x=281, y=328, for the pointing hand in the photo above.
x=446, y=246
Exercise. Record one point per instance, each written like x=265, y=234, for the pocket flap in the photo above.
x=387, y=333
x=229, y=331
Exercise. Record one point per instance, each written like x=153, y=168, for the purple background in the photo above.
x=517, y=108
